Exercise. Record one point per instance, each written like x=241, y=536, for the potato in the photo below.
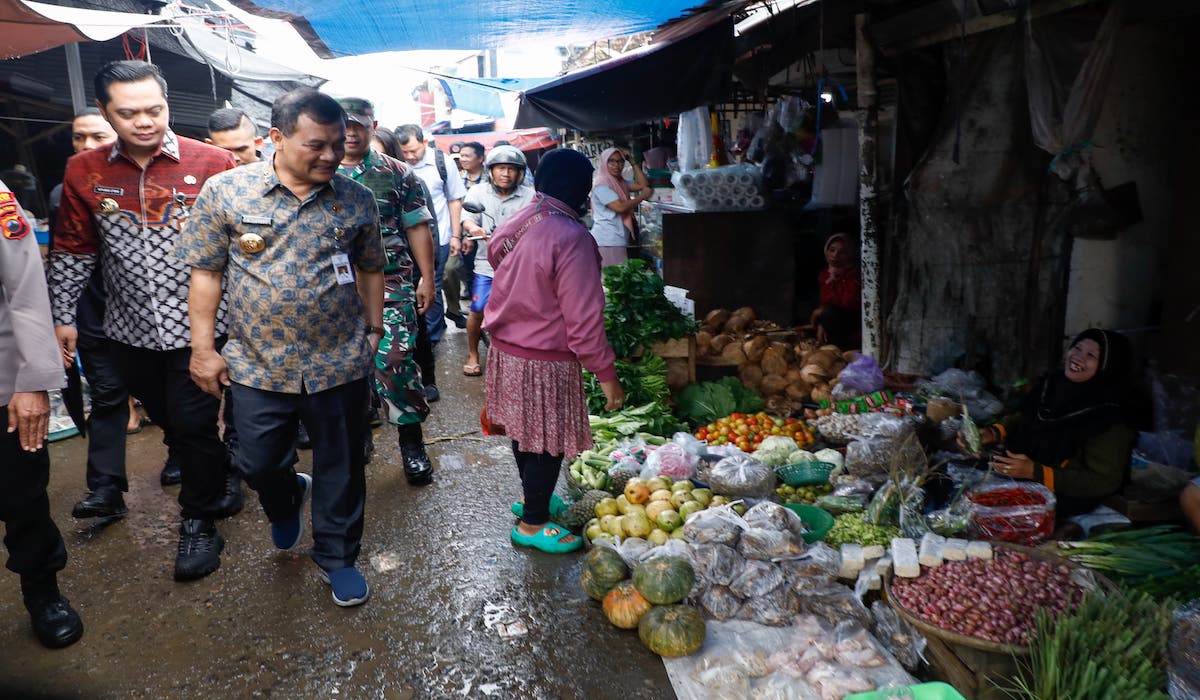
x=755, y=347
x=773, y=384
x=703, y=342
x=751, y=376
x=773, y=362
x=719, y=342
x=734, y=354
x=716, y=318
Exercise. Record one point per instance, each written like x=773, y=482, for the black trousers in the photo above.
x=539, y=474
x=266, y=424
x=109, y=416
x=161, y=381
x=35, y=546
x=423, y=351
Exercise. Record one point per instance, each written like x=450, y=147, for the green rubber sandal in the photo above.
x=557, y=506
x=549, y=539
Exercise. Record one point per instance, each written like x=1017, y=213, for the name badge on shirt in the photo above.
x=114, y=191
x=341, y=268
x=256, y=220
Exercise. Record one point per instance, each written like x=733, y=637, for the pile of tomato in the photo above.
x=747, y=430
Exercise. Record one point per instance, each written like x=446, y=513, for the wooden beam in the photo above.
x=985, y=23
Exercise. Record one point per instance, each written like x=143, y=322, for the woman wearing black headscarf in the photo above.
x=1075, y=432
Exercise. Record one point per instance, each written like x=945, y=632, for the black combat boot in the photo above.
x=55, y=622
x=417, y=467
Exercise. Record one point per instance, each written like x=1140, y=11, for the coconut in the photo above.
x=734, y=354
x=716, y=318
x=823, y=358
x=719, y=342
x=747, y=312
x=773, y=384
x=821, y=392
x=737, y=324
x=831, y=348
x=703, y=341
x=799, y=391
x=751, y=376
x=793, y=374
x=814, y=374
x=851, y=355
x=755, y=347
x=773, y=362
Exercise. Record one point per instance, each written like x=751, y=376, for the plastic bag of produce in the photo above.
x=863, y=375
x=720, y=603
x=768, y=545
x=831, y=456
x=835, y=604
x=716, y=563
x=838, y=505
x=776, y=450
x=847, y=485
x=689, y=442
x=673, y=460
x=948, y=522
x=1011, y=511
x=742, y=475
x=897, y=636
x=869, y=456
x=912, y=503
x=632, y=449
x=1183, y=651
x=633, y=550
x=720, y=525
x=882, y=425
x=672, y=548
x=775, y=517
x=769, y=608
x=884, y=508
x=820, y=560
x=757, y=578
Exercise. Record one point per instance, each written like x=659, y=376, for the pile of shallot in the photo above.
x=993, y=600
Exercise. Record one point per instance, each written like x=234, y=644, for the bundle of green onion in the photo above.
x=1137, y=555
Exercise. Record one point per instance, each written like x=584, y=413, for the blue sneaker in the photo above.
x=286, y=533
x=349, y=586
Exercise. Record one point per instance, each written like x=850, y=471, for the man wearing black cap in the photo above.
x=404, y=222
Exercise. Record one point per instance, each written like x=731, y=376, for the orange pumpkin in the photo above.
x=624, y=606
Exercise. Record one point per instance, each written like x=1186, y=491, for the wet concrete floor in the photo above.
x=439, y=561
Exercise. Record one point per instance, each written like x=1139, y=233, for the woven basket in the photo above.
x=804, y=473
x=575, y=490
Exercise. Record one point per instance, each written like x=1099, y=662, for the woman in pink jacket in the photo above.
x=546, y=319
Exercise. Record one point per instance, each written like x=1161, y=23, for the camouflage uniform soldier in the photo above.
x=404, y=221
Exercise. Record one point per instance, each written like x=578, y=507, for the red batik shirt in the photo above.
x=131, y=218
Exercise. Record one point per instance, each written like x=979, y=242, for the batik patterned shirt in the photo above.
x=131, y=217
x=293, y=325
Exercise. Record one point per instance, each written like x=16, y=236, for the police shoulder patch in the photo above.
x=12, y=225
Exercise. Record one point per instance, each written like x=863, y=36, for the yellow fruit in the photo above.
x=658, y=536
x=684, y=485
x=660, y=495
x=622, y=504
x=636, y=492
x=616, y=526
x=594, y=532
x=605, y=522
x=655, y=483
x=656, y=507
x=680, y=497
x=636, y=524
x=635, y=508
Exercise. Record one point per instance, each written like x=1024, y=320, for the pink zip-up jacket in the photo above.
x=547, y=300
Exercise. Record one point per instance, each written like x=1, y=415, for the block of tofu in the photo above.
x=873, y=551
x=852, y=560
x=979, y=550
x=931, y=549
x=904, y=558
x=883, y=567
x=868, y=580
x=954, y=550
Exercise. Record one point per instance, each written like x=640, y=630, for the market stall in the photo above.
x=806, y=527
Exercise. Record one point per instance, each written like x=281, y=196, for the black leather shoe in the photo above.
x=431, y=393
x=303, y=441
x=458, y=319
x=199, y=551
x=172, y=472
x=418, y=469
x=104, y=502
x=55, y=622
x=232, y=501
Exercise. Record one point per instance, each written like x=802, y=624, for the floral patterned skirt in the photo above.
x=540, y=403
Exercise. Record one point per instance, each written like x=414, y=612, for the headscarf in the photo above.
x=836, y=272
x=1061, y=415
x=564, y=174
x=615, y=183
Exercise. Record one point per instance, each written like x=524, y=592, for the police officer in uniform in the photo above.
x=29, y=367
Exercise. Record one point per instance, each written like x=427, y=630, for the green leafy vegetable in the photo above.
x=644, y=382
x=705, y=402
x=653, y=418
x=636, y=312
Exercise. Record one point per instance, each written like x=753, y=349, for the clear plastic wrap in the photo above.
x=742, y=475
x=820, y=560
x=838, y=505
x=770, y=608
x=1011, y=511
x=720, y=603
x=883, y=425
x=689, y=442
x=775, y=517
x=1183, y=653
x=768, y=545
x=898, y=637
x=869, y=456
x=884, y=508
x=716, y=564
x=838, y=428
x=719, y=525
x=911, y=518
x=757, y=578
x=673, y=460
x=835, y=604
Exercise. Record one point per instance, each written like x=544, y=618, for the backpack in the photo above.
x=439, y=159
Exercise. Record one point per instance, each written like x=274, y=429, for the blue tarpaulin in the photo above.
x=351, y=27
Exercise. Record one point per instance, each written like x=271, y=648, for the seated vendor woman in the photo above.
x=1074, y=431
x=838, y=319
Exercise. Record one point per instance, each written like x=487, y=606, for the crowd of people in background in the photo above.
x=163, y=282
